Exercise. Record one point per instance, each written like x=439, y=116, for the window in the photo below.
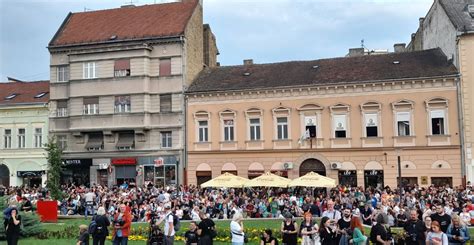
x=340, y=129
x=62, y=142
x=254, y=128
x=165, y=67
x=91, y=106
x=122, y=68
x=166, y=140
x=165, y=103
x=203, y=131
x=126, y=140
x=89, y=70
x=403, y=123
x=95, y=141
x=7, y=139
x=228, y=130
x=38, y=137
x=371, y=124
x=21, y=138
x=282, y=128
x=437, y=122
x=63, y=73
x=41, y=95
x=122, y=104
x=61, y=108
x=11, y=96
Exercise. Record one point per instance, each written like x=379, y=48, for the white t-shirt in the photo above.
x=168, y=220
x=235, y=228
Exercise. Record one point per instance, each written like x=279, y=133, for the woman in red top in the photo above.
x=122, y=223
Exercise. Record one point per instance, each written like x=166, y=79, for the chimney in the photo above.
x=399, y=47
x=356, y=52
x=248, y=62
x=421, y=20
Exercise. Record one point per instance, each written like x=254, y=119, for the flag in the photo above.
x=305, y=136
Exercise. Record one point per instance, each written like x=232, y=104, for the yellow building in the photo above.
x=346, y=118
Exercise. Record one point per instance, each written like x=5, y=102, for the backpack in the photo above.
x=176, y=222
x=92, y=227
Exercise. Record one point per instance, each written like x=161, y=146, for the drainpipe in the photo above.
x=460, y=116
x=184, y=157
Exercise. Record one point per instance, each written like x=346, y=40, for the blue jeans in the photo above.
x=89, y=210
x=120, y=241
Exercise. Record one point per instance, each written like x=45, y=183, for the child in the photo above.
x=83, y=235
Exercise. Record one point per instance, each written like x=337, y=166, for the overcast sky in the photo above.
x=264, y=30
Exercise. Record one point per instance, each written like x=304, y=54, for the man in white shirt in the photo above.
x=89, y=198
x=169, y=226
x=331, y=213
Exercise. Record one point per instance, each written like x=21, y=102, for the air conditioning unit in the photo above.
x=288, y=165
x=336, y=165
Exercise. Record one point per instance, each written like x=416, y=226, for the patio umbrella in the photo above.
x=313, y=179
x=227, y=180
x=268, y=180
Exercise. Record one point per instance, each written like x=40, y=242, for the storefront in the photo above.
x=442, y=181
x=76, y=171
x=348, y=178
x=161, y=170
x=373, y=178
x=125, y=170
x=31, y=178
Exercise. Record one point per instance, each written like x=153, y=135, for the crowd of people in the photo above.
x=418, y=210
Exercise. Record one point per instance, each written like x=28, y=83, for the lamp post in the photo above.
x=399, y=162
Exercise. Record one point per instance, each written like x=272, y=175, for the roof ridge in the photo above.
x=130, y=7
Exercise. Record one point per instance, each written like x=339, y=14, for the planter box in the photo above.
x=47, y=210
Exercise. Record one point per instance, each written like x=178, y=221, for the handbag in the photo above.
x=212, y=233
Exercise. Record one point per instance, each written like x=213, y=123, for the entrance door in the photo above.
x=373, y=178
x=102, y=177
x=203, y=176
x=442, y=181
x=4, y=176
x=312, y=165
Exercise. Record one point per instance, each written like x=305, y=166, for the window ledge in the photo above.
x=282, y=140
x=254, y=141
x=228, y=142
x=438, y=135
x=371, y=138
x=340, y=138
x=202, y=142
x=403, y=137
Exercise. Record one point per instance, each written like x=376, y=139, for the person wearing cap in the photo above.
x=169, y=227
x=289, y=230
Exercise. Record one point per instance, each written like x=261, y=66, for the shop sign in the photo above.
x=29, y=173
x=347, y=172
x=104, y=166
x=77, y=162
x=373, y=172
x=124, y=161
x=158, y=162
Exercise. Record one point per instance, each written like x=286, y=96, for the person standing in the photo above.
x=457, y=232
x=89, y=198
x=102, y=222
x=206, y=230
x=358, y=237
x=169, y=225
x=415, y=230
x=309, y=231
x=380, y=232
x=83, y=238
x=122, y=223
x=237, y=229
x=289, y=230
x=327, y=234
x=442, y=218
x=343, y=227
x=436, y=236
x=13, y=227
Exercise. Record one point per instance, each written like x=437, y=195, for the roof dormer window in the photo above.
x=40, y=95
x=11, y=96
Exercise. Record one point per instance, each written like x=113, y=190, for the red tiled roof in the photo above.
x=25, y=92
x=368, y=68
x=127, y=23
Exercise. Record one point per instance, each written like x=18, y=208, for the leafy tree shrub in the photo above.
x=54, y=169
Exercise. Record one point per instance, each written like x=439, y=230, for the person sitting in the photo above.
x=191, y=235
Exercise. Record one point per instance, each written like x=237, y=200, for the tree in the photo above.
x=54, y=169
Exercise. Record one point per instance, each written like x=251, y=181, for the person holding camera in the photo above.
x=122, y=222
x=191, y=235
x=415, y=230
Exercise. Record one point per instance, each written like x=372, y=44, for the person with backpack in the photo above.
x=100, y=232
x=169, y=229
x=380, y=233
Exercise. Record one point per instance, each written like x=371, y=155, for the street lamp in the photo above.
x=399, y=162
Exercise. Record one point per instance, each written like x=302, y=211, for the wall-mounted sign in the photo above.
x=158, y=162
x=29, y=173
x=124, y=161
x=424, y=180
x=73, y=162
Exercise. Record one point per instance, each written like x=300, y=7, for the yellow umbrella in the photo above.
x=227, y=180
x=313, y=179
x=268, y=180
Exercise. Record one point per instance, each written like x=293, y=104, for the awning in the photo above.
x=95, y=141
x=125, y=140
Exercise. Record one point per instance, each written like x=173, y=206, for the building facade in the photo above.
x=23, y=131
x=346, y=118
x=449, y=25
x=117, y=82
